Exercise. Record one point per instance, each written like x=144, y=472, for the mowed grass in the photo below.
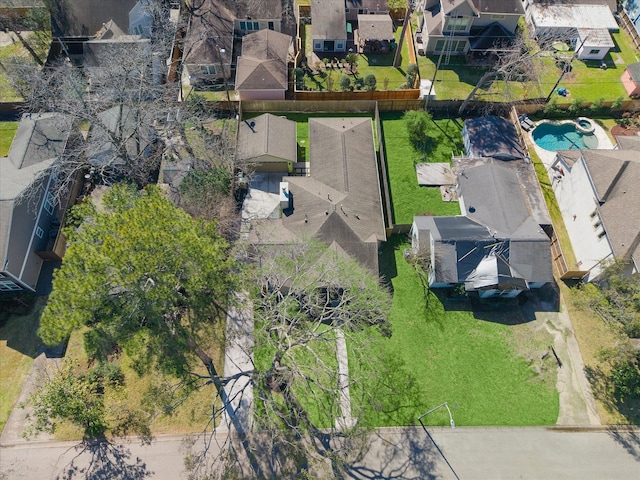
x=19, y=345
x=7, y=132
x=408, y=198
x=468, y=362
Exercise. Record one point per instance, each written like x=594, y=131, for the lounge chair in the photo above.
x=525, y=122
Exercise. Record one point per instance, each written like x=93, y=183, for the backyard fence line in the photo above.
x=382, y=172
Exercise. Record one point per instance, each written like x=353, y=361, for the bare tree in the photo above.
x=319, y=379
x=518, y=61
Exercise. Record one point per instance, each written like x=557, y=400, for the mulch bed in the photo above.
x=625, y=131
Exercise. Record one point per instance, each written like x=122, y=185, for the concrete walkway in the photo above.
x=346, y=420
x=239, y=358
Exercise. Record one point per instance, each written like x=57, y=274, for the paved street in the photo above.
x=397, y=453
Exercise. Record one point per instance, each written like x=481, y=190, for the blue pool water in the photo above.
x=562, y=137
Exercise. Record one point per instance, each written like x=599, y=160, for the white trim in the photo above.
x=33, y=234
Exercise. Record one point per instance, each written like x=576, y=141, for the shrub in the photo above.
x=370, y=82
x=345, y=83
x=617, y=103
x=359, y=83
x=298, y=74
x=575, y=107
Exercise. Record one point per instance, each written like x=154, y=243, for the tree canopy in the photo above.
x=144, y=276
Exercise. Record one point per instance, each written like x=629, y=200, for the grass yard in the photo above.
x=188, y=416
x=19, y=346
x=39, y=41
x=7, y=132
x=484, y=366
x=408, y=198
x=381, y=65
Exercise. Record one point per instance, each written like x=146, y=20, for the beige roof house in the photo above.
x=340, y=201
x=268, y=142
x=261, y=72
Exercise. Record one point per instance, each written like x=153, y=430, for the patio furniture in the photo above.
x=525, y=122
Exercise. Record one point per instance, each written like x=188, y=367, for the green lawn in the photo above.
x=39, y=42
x=586, y=81
x=408, y=198
x=19, y=346
x=485, y=366
x=7, y=132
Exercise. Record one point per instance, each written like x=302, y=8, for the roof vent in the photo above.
x=472, y=209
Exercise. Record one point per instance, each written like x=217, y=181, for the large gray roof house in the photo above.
x=340, y=202
x=29, y=212
x=495, y=248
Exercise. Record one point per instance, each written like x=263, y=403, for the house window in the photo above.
x=597, y=225
x=453, y=45
x=208, y=69
x=458, y=24
x=317, y=45
x=39, y=232
x=272, y=26
x=49, y=206
x=249, y=26
x=361, y=11
x=346, y=10
x=594, y=51
x=593, y=214
x=602, y=234
x=339, y=45
x=8, y=286
x=498, y=17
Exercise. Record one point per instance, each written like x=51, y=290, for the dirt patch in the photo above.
x=620, y=130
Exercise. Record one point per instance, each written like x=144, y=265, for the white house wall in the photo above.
x=577, y=203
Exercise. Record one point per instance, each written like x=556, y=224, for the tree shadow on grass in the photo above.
x=19, y=323
x=102, y=459
x=602, y=388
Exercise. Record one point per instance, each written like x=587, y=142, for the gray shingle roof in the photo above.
x=263, y=64
x=72, y=18
x=634, y=71
x=270, y=135
x=340, y=202
x=328, y=19
x=375, y=27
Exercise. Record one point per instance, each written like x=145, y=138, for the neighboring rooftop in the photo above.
x=375, y=27
x=267, y=135
x=328, y=19
x=77, y=18
x=577, y=16
x=492, y=136
x=263, y=63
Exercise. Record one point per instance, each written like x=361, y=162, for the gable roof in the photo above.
x=38, y=143
x=495, y=240
x=267, y=134
x=615, y=175
x=210, y=29
x=74, y=18
x=634, y=71
x=340, y=202
x=328, y=19
x=492, y=136
x=375, y=27
x=263, y=64
x=499, y=6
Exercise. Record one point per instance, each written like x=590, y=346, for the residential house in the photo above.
x=30, y=212
x=375, y=34
x=598, y=192
x=353, y=8
x=587, y=27
x=262, y=70
x=631, y=79
x=84, y=18
x=208, y=55
x=632, y=9
x=120, y=129
x=339, y=202
x=495, y=248
x=457, y=27
x=268, y=142
x=328, y=26
x=140, y=19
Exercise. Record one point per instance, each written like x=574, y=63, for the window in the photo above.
x=39, y=232
x=593, y=214
x=272, y=26
x=361, y=11
x=457, y=24
x=594, y=51
x=597, y=225
x=498, y=17
x=346, y=10
x=339, y=45
x=8, y=286
x=457, y=46
x=602, y=234
x=49, y=206
x=208, y=69
x=317, y=45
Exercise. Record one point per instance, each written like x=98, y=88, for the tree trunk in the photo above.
x=484, y=78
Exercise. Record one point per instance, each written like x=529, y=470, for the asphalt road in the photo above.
x=396, y=453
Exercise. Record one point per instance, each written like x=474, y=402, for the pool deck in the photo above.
x=548, y=157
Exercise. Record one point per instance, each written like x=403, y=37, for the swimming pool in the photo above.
x=562, y=136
